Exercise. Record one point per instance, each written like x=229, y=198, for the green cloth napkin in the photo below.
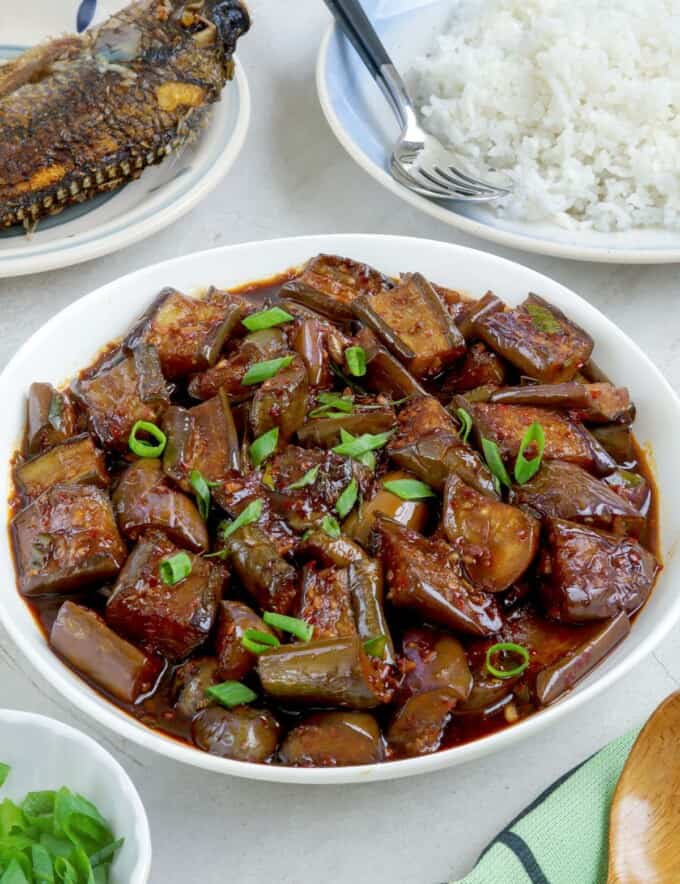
x=561, y=838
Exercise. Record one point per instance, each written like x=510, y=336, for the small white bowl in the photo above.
x=46, y=754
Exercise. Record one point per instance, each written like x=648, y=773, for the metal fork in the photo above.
x=440, y=180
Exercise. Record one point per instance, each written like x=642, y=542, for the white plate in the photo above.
x=364, y=125
x=46, y=754
x=54, y=354
x=163, y=193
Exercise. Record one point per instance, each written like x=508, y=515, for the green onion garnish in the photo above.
x=332, y=403
x=266, y=319
x=299, y=628
x=262, y=371
x=375, y=647
x=507, y=648
x=543, y=319
x=263, y=446
x=495, y=463
x=257, y=642
x=347, y=499
x=527, y=469
x=348, y=381
x=361, y=445
x=355, y=357
x=329, y=525
x=231, y=693
x=250, y=514
x=409, y=489
x=465, y=423
x=309, y=478
x=201, y=488
x=141, y=447
x=175, y=569
x=367, y=459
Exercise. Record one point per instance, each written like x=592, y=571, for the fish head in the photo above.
x=220, y=20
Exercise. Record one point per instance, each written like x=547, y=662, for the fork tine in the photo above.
x=462, y=189
x=498, y=188
x=456, y=181
x=406, y=178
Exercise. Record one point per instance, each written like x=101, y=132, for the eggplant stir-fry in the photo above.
x=335, y=518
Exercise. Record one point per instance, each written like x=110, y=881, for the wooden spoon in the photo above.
x=644, y=821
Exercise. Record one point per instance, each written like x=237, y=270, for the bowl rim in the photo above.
x=86, y=699
x=125, y=786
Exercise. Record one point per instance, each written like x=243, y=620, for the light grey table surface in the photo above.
x=293, y=178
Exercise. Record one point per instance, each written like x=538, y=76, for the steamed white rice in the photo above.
x=578, y=101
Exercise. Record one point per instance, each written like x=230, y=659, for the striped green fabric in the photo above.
x=561, y=838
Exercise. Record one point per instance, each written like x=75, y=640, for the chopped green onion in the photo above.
x=262, y=371
x=268, y=478
x=527, y=469
x=465, y=423
x=266, y=319
x=175, y=569
x=201, y=488
x=231, y=693
x=367, y=459
x=257, y=642
x=309, y=478
x=352, y=384
x=375, y=647
x=543, y=319
x=250, y=514
x=332, y=402
x=631, y=479
x=360, y=445
x=507, y=648
x=299, y=628
x=263, y=446
x=4, y=772
x=355, y=357
x=347, y=499
x=141, y=447
x=409, y=489
x=495, y=463
x=329, y=525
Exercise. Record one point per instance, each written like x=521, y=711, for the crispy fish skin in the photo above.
x=83, y=115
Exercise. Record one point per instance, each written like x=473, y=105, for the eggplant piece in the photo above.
x=242, y=733
x=81, y=637
x=330, y=672
x=413, y=514
x=201, y=438
x=265, y=575
x=228, y=373
x=188, y=333
x=124, y=390
x=326, y=603
x=173, y=620
x=565, y=439
x=589, y=403
x=333, y=739
x=480, y=367
x=327, y=551
x=281, y=401
x=328, y=284
x=498, y=542
x=488, y=695
x=617, y=441
x=435, y=661
x=309, y=342
x=366, y=586
x=553, y=681
x=590, y=575
x=325, y=431
x=419, y=725
x=385, y=374
x=66, y=540
x=425, y=576
x=234, y=618
x=144, y=500
x=634, y=489
x=190, y=683
x=50, y=418
x=476, y=311
x=74, y=462
x=565, y=491
x=413, y=323
x=236, y=492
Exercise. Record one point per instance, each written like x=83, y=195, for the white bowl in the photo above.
x=73, y=337
x=46, y=754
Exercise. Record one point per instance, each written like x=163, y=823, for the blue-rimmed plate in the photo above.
x=163, y=193
x=363, y=123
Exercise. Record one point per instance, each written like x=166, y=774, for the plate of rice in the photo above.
x=576, y=101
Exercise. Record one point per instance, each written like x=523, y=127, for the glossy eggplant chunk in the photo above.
x=385, y=374
x=66, y=540
x=435, y=661
x=327, y=551
x=476, y=311
x=538, y=339
x=419, y=725
x=281, y=401
x=480, y=367
x=264, y=574
x=242, y=733
x=234, y=618
x=414, y=325
x=128, y=388
x=50, y=418
x=633, y=488
x=565, y=439
x=589, y=575
x=488, y=695
x=237, y=491
x=412, y=514
x=173, y=620
x=333, y=739
x=190, y=682
x=425, y=576
x=617, y=441
x=309, y=342
x=189, y=333
x=74, y=462
x=325, y=431
x=553, y=681
x=329, y=672
x=565, y=491
x=366, y=586
x=228, y=372
x=589, y=403
x=328, y=284
x=143, y=500
x=325, y=602
x=81, y=637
